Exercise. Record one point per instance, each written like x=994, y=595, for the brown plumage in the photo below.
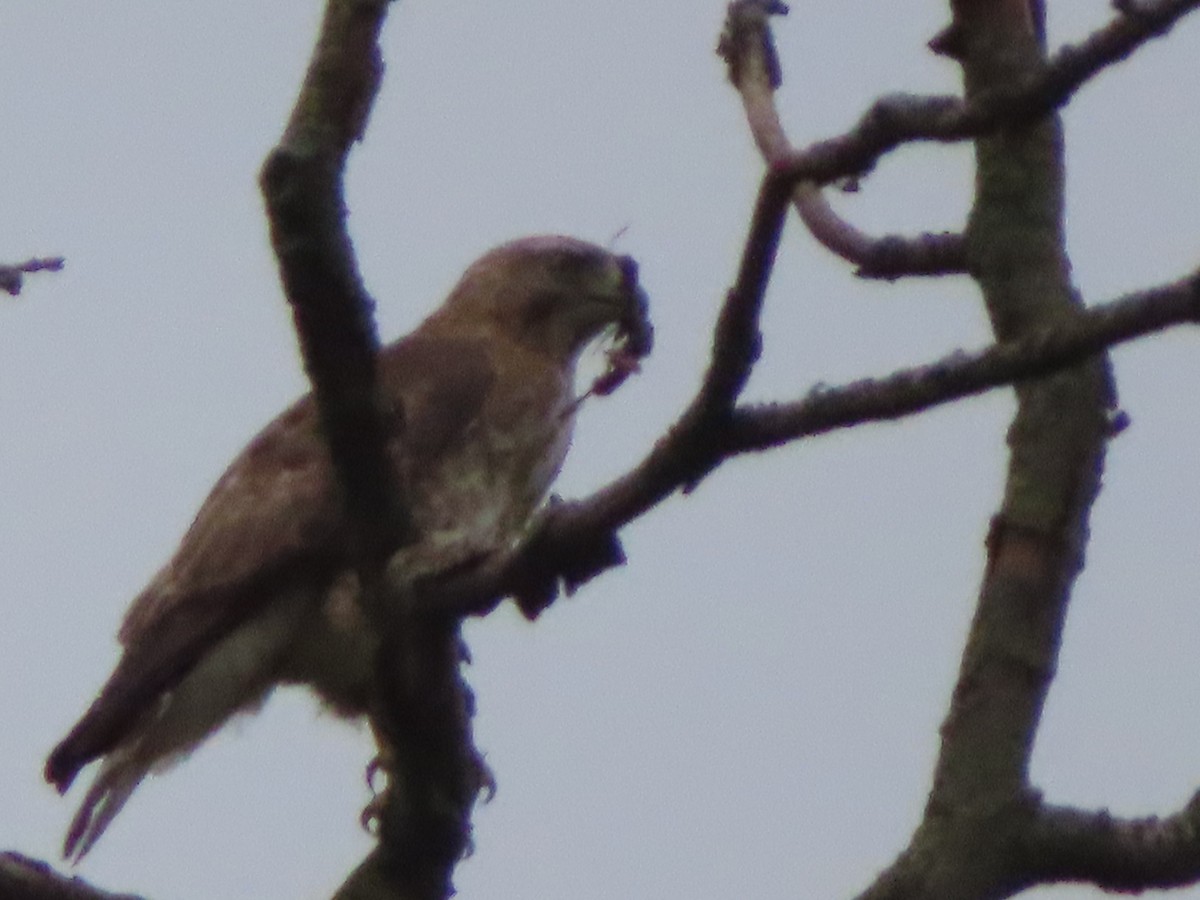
x=261, y=592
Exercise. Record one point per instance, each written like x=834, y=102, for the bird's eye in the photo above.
x=540, y=306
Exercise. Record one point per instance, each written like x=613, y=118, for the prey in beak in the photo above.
x=634, y=338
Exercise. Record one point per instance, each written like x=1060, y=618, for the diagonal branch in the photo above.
x=963, y=374
x=737, y=341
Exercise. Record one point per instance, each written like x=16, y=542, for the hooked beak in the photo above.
x=635, y=333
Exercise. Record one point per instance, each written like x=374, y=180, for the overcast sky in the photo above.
x=750, y=707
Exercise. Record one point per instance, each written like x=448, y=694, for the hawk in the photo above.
x=261, y=590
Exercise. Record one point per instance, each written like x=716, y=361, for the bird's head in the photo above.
x=555, y=294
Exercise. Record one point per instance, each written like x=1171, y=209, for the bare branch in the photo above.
x=1115, y=854
x=748, y=48
x=887, y=257
x=22, y=878
x=737, y=342
x=963, y=375
x=902, y=118
x=422, y=706
x=302, y=185
x=12, y=278
x=979, y=805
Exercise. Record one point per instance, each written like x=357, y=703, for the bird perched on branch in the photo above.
x=262, y=591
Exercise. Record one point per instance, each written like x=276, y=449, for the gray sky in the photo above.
x=750, y=707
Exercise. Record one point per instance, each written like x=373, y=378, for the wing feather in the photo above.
x=271, y=525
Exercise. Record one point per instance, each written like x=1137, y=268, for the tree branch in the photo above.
x=964, y=374
x=22, y=878
x=1115, y=854
x=737, y=341
x=421, y=706
x=903, y=118
x=302, y=185
x=748, y=48
x=12, y=278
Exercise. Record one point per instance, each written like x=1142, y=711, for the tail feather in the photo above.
x=235, y=676
x=100, y=730
x=108, y=793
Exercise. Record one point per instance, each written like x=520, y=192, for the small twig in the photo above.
x=748, y=48
x=12, y=278
x=902, y=118
x=885, y=257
